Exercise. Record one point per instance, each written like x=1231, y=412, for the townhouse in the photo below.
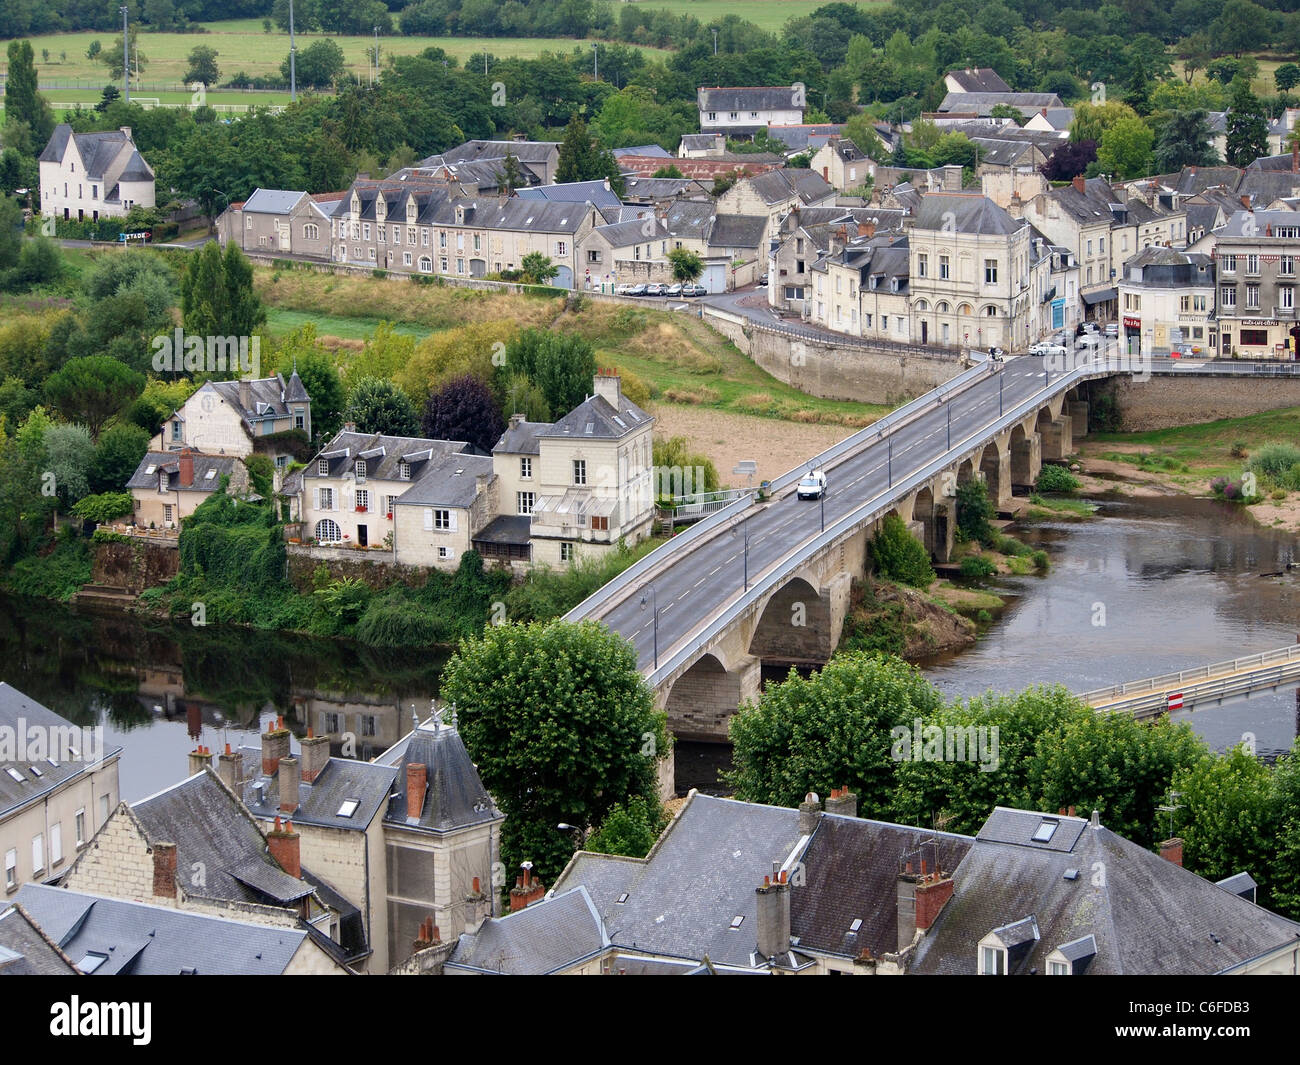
x=743, y=111
x=841, y=164
x=88, y=176
x=281, y=221
x=773, y=195
x=1255, y=254
x=1166, y=301
x=806, y=235
x=168, y=486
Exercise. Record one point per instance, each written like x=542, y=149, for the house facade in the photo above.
x=88, y=176
x=1166, y=300
x=279, y=221
x=168, y=486
x=743, y=111
x=1255, y=254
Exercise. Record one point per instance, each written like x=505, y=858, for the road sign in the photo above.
x=1175, y=701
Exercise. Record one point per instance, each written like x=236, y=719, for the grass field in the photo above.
x=242, y=45
x=770, y=15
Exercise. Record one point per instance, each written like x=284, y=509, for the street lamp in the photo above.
x=654, y=623
x=293, y=58
x=564, y=826
x=744, y=529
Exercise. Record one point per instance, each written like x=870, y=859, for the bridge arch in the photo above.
x=701, y=701
x=1026, y=455
x=995, y=468
x=794, y=625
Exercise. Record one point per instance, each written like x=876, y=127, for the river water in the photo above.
x=1153, y=586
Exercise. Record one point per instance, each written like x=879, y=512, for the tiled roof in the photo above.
x=156, y=462
x=967, y=212
x=551, y=934
x=27, y=951
x=749, y=98
x=455, y=797
x=272, y=201
x=449, y=481
x=596, y=418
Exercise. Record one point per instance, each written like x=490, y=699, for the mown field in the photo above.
x=770, y=15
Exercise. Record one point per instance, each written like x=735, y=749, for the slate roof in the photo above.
x=269, y=397
x=737, y=231
x=520, y=438
x=655, y=190
x=210, y=826
x=139, y=939
x=97, y=151
x=851, y=869
x=979, y=79
x=700, y=875
x=551, y=934
x=596, y=418
x=644, y=149
x=1235, y=226
x=776, y=186
x=383, y=455
x=168, y=462
x=40, y=776
x=1147, y=915
x=626, y=234
x=690, y=218
x=982, y=103
x=699, y=142
x=1265, y=186
x=319, y=802
x=969, y=212
x=136, y=169
x=596, y=193
x=455, y=797
x=514, y=215
x=1090, y=206
x=805, y=137
x=506, y=529
x=1003, y=152
x=747, y=98
x=272, y=201
x=26, y=951
x=524, y=151
x=449, y=481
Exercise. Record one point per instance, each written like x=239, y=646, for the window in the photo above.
x=79, y=822
x=56, y=844
x=311, y=231
x=11, y=869
x=167, y=513
x=328, y=532
x=1101, y=246
x=1252, y=297
x=365, y=231
x=990, y=271
x=1252, y=264
x=348, y=807
x=360, y=469
x=441, y=520
x=404, y=470
x=92, y=961
x=410, y=237
x=478, y=242
x=442, y=265
x=1089, y=247
x=426, y=265
x=579, y=471
x=922, y=264
x=460, y=266
x=944, y=268
x=599, y=521
x=523, y=503
x=1254, y=337
x=38, y=854
x=331, y=723
x=993, y=962
x=1286, y=265
x=326, y=499
x=363, y=500
x=1286, y=298
x=372, y=254
x=1228, y=264
x=1045, y=831
x=367, y=724
x=566, y=551
x=397, y=234
x=176, y=429
x=444, y=552
x=1058, y=968
x=406, y=258
x=1228, y=296
x=525, y=468
x=299, y=418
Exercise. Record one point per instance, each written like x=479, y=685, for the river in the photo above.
x=1152, y=585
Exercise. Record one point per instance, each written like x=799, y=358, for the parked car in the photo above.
x=762, y=281
x=1047, y=347
x=694, y=290
x=1112, y=330
x=813, y=486
x=638, y=290
x=673, y=290
x=654, y=289
x=624, y=290
x=1089, y=342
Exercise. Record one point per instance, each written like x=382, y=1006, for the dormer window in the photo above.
x=1045, y=831
x=404, y=470
x=1058, y=968
x=993, y=962
x=322, y=467
x=360, y=469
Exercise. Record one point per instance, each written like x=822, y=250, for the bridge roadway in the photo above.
x=696, y=586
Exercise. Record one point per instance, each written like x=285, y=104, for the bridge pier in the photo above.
x=1057, y=438
x=1078, y=411
x=1026, y=459
x=702, y=700
x=995, y=466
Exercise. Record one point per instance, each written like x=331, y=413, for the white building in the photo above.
x=88, y=176
x=743, y=111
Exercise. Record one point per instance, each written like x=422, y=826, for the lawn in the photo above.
x=279, y=321
x=770, y=15
x=243, y=45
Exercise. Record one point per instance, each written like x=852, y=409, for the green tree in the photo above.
x=1125, y=148
x=832, y=729
x=384, y=355
x=861, y=130
x=583, y=159
x=1247, y=126
x=563, y=367
x=900, y=556
x=1286, y=77
x=1242, y=26
x=70, y=453
x=511, y=176
x=687, y=266
x=203, y=66
x=669, y=171
x=630, y=830
x=24, y=510
x=118, y=453
x=1008, y=111
x=974, y=511
x=111, y=56
x=1185, y=140
x=537, y=268
x=1138, y=93
x=217, y=295
x=379, y=406
x=679, y=471
x=93, y=389
x=318, y=66
x=321, y=380
x=561, y=726
x=23, y=103
x=1092, y=120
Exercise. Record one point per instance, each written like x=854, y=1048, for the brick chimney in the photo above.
x=842, y=802
x=315, y=753
x=417, y=779
x=773, y=916
x=428, y=936
x=478, y=907
x=1171, y=850
x=810, y=812
x=289, y=776
x=1295, y=156
x=164, y=870
x=1043, y=112
x=245, y=395
x=528, y=889
x=866, y=229
x=1079, y=184
x=907, y=881
x=286, y=848
x=200, y=759
x=1245, y=202
x=228, y=768
x=186, y=463
x=931, y=897
x=608, y=384
x=275, y=745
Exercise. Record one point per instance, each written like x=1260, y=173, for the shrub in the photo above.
x=974, y=509
x=1009, y=545
x=1274, y=460
x=1041, y=561
x=976, y=566
x=1238, y=449
x=104, y=507
x=392, y=622
x=900, y=556
x=1057, y=479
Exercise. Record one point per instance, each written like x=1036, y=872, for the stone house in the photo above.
x=436, y=520
x=58, y=786
x=625, y=252
x=87, y=176
x=744, y=111
x=168, y=486
x=775, y=194
x=841, y=164
x=1255, y=255
x=1166, y=299
x=543, y=157
x=280, y=221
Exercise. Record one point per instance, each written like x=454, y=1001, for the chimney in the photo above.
x=1079, y=185
x=186, y=464
x=285, y=848
x=228, y=769
x=810, y=812
x=275, y=745
x=349, y=427
x=1245, y=202
x=866, y=229
x=1295, y=156
x=289, y=778
x=245, y=402
x=164, y=870
x=516, y=420
x=1171, y=850
x=842, y=802
x=607, y=384
x=932, y=895
x=1043, y=112
x=773, y=917
x=126, y=131
x=907, y=882
x=315, y=753
x=200, y=759
x=478, y=907
x=528, y=889
x=417, y=779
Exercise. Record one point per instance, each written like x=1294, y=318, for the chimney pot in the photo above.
x=1079, y=183
x=289, y=777
x=773, y=919
x=315, y=756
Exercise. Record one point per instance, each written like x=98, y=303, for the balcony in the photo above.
x=1283, y=312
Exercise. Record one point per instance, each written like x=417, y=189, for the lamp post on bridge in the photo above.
x=745, y=530
x=654, y=624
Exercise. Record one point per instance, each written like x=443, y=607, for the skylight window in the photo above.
x=91, y=962
x=35, y=772
x=1045, y=831
x=15, y=774
x=349, y=807
x=621, y=899
x=737, y=921
x=855, y=926
x=150, y=469
x=209, y=475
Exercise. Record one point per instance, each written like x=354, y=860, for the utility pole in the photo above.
x=595, y=61
x=715, y=42
x=376, y=78
x=126, y=60
x=293, y=59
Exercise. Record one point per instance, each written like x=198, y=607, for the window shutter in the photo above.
x=428, y=519
x=451, y=521
x=315, y=499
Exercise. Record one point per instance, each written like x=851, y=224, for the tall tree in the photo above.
x=202, y=66
x=583, y=159
x=464, y=409
x=1185, y=140
x=93, y=389
x=1247, y=127
x=379, y=406
x=22, y=101
x=217, y=295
